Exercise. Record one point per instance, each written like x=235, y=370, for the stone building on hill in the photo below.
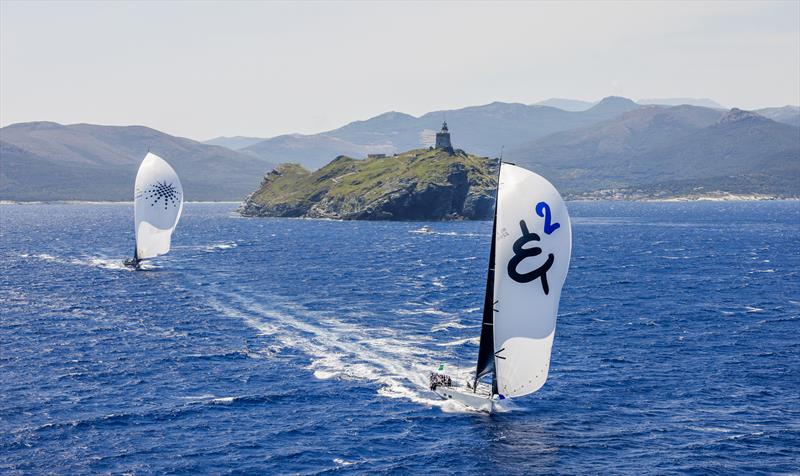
x=443, y=139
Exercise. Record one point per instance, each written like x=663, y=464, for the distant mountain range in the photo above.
x=235, y=142
x=574, y=105
x=701, y=102
x=611, y=144
x=786, y=114
x=49, y=161
x=677, y=149
x=481, y=130
x=577, y=105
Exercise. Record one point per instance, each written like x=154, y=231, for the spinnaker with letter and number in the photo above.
x=158, y=203
x=528, y=262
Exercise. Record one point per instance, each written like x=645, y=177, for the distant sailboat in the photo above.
x=157, y=205
x=528, y=262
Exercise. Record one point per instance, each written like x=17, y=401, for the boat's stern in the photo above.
x=466, y=397
x=448, y=389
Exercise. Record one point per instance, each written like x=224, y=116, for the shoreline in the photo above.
x=676, y=199
x=95, y=202
x=723, y=197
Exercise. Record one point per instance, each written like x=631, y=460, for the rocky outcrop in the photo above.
x=417, y=185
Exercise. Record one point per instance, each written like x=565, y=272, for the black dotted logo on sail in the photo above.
x=162, y=194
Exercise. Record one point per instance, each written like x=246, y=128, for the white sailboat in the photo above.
x=158, y=203
x=528, y=262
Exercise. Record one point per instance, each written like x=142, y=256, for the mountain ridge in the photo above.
x=614, y=144
x=480, y=129
x=50, y=161
x=664, y=145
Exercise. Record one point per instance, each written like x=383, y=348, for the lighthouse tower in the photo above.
x=443, y=139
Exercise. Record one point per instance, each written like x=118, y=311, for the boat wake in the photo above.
x=452, y=325
x=447, y=233
x=428, y=310
x=470, y=340
x=92, y=261
x=225, y=245
x=397, y=362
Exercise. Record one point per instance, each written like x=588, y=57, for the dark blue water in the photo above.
x=292, y=346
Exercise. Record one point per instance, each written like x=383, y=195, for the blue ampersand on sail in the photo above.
x=520, y=253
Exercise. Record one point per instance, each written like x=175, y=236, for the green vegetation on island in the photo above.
x=421, y=184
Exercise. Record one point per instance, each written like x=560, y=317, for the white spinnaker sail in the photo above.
x=533, y=247
x=158, y=203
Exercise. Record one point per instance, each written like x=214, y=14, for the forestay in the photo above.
x=158, y=203
x=532, y=252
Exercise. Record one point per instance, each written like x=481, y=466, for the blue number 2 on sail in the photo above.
x=543, y=210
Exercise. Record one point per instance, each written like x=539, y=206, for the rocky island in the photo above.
x=438, y=183
x=422, y=184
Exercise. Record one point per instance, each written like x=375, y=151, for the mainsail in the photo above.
x=531, y=247
x=158, y=203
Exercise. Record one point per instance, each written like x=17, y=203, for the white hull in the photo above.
x=477, y=401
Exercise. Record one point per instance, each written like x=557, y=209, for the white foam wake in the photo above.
x=428, y=310
x=225, y=245
x=470, y=340
x=93, y=261
x=451, y=325
x=399, y=364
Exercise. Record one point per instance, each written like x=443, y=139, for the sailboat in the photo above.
x=528, y=262
x=157, y=207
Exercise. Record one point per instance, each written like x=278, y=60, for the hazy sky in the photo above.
x=204, y=69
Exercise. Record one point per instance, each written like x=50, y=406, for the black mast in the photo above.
x=133, y=262
x=486, y=350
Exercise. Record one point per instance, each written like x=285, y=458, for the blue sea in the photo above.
x=285, y=346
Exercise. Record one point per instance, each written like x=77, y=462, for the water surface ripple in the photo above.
x=300, y=346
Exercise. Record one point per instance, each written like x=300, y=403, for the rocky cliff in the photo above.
x=423, y=184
